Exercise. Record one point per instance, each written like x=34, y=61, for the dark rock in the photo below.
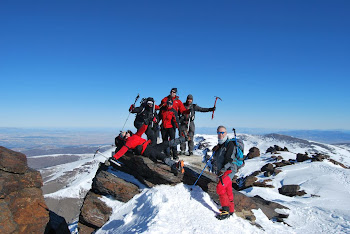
x=285, y=149
x=279, y=158
x=267, y=173
x=12, y=161
x=253, y=153
x=7, y=224
x=275, y=148
x=271, y=150
x=106, y=183
x=287, y=163
x=94, y=212
x=28, y=210
x=84, y=229
x=268, y=167
x=148, y=172
x=291, y=190
x=277, y=171
x=255, y=173
x=338, y=163
x=22, y=205
x=302, y=157
x=268, y=207
x=249, y=181
x=10, y=182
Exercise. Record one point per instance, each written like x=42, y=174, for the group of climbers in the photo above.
x=173, y=114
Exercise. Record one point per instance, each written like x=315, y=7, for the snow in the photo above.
x=176, y=209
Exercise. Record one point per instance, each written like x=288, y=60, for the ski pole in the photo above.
x=138, y=95
x=202, y=171
x=189, y=120
x=216, y=98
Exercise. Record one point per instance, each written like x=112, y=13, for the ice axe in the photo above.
x=216, y=98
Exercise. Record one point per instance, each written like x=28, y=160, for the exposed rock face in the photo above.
x=94, y=212
x=22, y=205
x=11, y=161
x=253, y=152
x=107, y=184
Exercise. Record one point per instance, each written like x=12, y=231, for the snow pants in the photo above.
x=169, y=134
x=183, y=128
x=224, y=190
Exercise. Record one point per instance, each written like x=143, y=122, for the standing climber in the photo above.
x=187, y=123
x=147, y=112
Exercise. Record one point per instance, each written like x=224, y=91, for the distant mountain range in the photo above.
x=329, y=137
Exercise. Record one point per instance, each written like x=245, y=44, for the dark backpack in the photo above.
x=238, y=156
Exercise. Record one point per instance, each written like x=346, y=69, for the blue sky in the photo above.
x=275, y=64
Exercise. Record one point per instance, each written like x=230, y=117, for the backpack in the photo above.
x=238, y=158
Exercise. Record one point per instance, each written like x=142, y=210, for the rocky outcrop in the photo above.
x=253, y=153
x=275, y=148
x=94, y=212
x=302, y=157
x=291, y=190
x=22, y=205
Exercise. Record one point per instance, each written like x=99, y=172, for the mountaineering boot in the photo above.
x=224, y=213
x=189, y=153
x=180, y=166
x=182, y=152
x=174, y=169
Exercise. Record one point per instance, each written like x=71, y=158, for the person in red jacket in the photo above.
x=170, y=122
x=177, y=103
x=143, y=147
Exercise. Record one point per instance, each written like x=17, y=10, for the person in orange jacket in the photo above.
x=143, y=147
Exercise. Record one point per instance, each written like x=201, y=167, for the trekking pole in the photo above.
x=216, y=98
x=153, y=110
x=189, y=120
x=138, y=95
x=202, y=171
x=234, y=130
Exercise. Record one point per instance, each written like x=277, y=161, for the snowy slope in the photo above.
x=168, y=209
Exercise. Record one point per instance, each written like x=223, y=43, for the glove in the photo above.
x=155, y=120
x=132, y=107
x=212, y=109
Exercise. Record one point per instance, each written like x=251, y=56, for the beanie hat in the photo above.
x=190, y=96
x=173, y=90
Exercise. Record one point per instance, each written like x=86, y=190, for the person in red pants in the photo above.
x=225, y=169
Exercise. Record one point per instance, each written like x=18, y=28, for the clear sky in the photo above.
x=275, y=64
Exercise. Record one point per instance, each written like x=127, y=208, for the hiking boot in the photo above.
x=223, y=215
x=190, y=153
x=180, y=166
x=175, y=157
x=174, y=169
x=182, y=152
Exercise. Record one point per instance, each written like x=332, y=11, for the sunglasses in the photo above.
x=222, y=133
